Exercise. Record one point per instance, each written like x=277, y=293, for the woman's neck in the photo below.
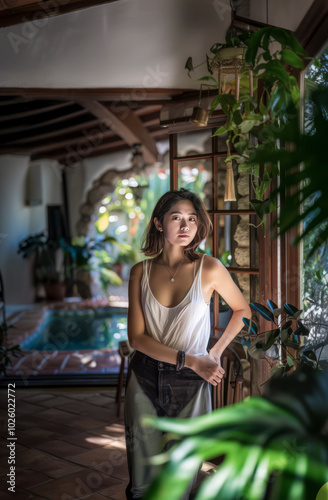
x=173, y=256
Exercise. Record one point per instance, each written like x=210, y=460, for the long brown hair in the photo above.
x=153, y=240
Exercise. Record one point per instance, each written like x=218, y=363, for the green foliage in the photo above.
x=246, y=117
x=274, y=123
x=278, y=343
x=232, y=40
x=44, y=266
x=306, y=183
x=133, y=212
x=92, y=254
x=272, y=447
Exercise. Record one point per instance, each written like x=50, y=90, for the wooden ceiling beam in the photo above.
x=66, y=132
x=68, y=157
x=15, y=100
x=49, y=149
x=148, y=109
x=312, y=30
x=22, y=128
x=129, y=95
x=151, y=121
x=36, y=111
x=18, y=11
x=126, y=125
x=55, y=133
x=89, y=137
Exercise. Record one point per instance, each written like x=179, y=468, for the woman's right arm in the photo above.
x=206, y=366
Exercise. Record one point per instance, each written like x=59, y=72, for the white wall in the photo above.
x=17, y=221
x=125, y=44
x=283, y=13
x=129, y=43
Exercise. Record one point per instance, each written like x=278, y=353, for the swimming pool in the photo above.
x=71, y=330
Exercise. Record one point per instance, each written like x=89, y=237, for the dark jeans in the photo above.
x=169, y=393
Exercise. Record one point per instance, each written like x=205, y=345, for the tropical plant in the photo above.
x=272, y=124
x=272, y=447
x=93, y=254
x=279, y=345
x=45, y=269
x=305, y=184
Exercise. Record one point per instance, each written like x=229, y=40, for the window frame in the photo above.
x=214, y=213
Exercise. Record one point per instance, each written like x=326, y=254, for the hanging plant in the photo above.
x=244, y=117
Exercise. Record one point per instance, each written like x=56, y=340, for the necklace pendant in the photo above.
x=172, y=279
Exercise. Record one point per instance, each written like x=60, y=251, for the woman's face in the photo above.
x=179, y=223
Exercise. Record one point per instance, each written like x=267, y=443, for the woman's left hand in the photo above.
x=216, y=356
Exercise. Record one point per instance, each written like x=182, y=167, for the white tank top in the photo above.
x=185, y=326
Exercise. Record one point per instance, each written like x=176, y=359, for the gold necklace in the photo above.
x=172, y=276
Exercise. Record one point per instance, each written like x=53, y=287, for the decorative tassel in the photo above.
x=237, y=74
x=229, y=193
x=251, y=91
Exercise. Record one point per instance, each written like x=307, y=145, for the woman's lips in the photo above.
x=183, y=235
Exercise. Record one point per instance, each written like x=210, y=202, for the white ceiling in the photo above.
x=125, y=44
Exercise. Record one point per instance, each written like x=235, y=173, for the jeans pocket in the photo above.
x=137, y=359
x=189, y=374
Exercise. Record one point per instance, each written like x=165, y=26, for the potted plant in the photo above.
x=282, y=346
x=233, y=48
x=92, y=255
x=47, y=268
x=243, y=114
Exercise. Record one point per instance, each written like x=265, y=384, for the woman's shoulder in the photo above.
x=210, y=262
x=137, y=268
x=212, y=266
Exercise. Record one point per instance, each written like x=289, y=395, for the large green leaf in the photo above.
x=109, y=275
x=251, y=325
x=253, y=44
x=274, y=70
x=263, y=311
x=220, y=131
x=288, y=39
x=256, y=439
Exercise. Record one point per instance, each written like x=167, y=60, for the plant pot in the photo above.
x=55, y=291
x=230, y=53
x=200, y=116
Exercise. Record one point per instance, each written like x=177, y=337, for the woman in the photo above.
x=169, y=328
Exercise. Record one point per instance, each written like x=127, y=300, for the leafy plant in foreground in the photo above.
x=274, y=447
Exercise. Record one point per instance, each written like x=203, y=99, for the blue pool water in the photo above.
x=75, y=330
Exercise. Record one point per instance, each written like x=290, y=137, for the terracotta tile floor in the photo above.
x=70, y=445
